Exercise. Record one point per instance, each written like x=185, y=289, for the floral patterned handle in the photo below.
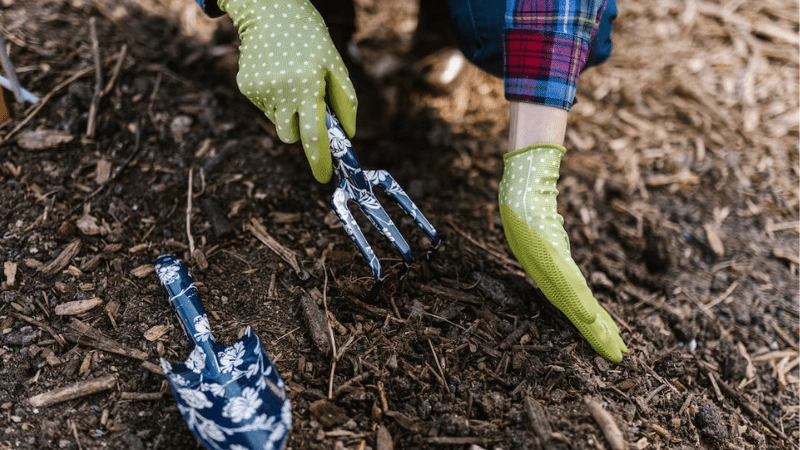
x=185, y=301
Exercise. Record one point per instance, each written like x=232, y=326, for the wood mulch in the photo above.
x=679, y=192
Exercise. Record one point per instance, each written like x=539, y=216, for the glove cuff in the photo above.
x=522, y=150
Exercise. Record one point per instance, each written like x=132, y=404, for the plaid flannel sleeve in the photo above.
x=210, y=8
x=546, y=44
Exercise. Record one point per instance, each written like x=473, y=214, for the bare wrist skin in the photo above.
x=535, y=124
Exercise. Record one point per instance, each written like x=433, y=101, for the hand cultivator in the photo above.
x=356, y=184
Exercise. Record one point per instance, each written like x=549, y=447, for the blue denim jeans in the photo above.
x=478, y=29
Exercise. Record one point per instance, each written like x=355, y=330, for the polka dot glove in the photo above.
x=536, y=235
x=287, y=66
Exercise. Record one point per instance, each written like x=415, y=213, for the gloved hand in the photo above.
x=287, y=66
x=534, y=231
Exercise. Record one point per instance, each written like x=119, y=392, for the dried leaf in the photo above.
x=43, y=139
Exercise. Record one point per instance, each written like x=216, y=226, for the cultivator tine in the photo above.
x=339, y=204
x=356, y=184
x=381, y=220
x=385, y=180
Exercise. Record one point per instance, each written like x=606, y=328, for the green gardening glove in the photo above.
x=287, y=66
x=536, y=235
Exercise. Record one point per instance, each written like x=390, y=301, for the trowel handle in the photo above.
x=185, y=301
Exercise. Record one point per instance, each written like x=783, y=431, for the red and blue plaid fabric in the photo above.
x=546, y=45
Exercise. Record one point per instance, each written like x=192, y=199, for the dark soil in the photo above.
x=679, y=192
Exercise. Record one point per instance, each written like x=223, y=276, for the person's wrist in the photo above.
x=533, y=124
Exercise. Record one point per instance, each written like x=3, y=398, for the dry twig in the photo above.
x=189, y=213
x=86, y=335
x=91, y=124
x=258, y=230
x=74, y=391
x=42, y=325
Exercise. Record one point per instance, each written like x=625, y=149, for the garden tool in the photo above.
x=356, y=184
x=231, y=397
x=12, y=83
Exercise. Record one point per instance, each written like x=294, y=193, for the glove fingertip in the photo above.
x=287, y=131
x=348, y=122
x=615, y=357
x=316, y=145
x=321, y=166
x=343, y=101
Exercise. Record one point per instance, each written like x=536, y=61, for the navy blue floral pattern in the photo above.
x=231, y=397
x=356, y=184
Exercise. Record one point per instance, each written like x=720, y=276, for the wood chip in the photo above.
x=63, y=259
x=139, y=247
x=74, y=391
x=76, y=307
x=663, y=432
x=200, y=259
x=10, y=272
x=714, y=240
x=681, y=178
x=383, y=439
x=143, y=271
x=157, y=332
x=33, y=264
x=90, y=226
x=258, y=230
x=85, y=364
x=607, y=424
x=103, y=172
x=43, y=139
x=317, y=326
x=539, y=421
